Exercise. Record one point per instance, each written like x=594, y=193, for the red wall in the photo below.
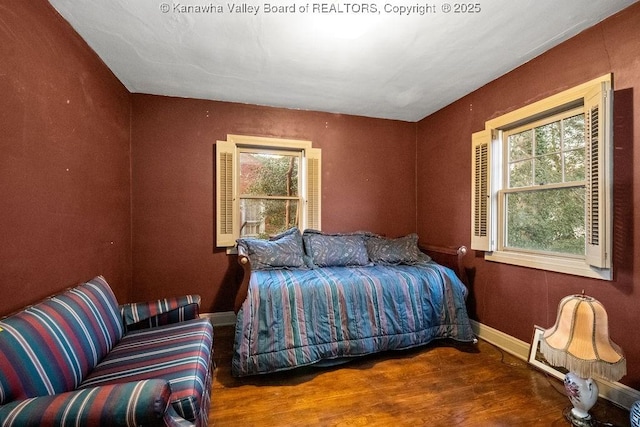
x=513, y=299
x=64, y=160
x=368, y=183
x=84, y=166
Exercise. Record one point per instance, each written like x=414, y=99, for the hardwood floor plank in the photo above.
x=443, y=384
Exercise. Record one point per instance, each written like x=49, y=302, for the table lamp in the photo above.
x=579, y=342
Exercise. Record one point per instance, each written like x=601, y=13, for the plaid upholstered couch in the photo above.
x=80, y=359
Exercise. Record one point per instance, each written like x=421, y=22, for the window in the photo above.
x=541, y=184
x=265, y=186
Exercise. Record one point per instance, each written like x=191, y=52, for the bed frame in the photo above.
x=448, y=256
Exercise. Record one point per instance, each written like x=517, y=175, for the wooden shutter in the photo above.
x=598, y=173
x=313, y=197
x=226, y=210
x=481, y=190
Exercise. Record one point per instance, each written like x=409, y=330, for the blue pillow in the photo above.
x=335, y=250
x=403, y=250
x=282, y=251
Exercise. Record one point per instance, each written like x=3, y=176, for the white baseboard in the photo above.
x=224, y=318
x=511, y=345
x=615, y=392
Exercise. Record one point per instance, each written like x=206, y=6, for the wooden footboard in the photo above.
x=447, y=256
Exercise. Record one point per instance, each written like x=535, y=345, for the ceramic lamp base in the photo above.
x=583, y=394
x=578, y=422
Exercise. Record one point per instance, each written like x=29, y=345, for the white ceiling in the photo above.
x=380, y=64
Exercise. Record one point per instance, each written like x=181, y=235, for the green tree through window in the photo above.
x=270, y=192
x=545, y=192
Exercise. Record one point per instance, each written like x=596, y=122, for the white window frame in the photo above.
x=596, y=98
x=227, y=188
x=298, y=154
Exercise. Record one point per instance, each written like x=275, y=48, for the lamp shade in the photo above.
x=579, y=341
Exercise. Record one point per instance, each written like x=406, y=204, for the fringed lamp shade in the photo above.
x=579, y=341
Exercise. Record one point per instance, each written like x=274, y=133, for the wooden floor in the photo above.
x=438, y=385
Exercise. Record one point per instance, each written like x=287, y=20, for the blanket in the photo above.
x=298, y=317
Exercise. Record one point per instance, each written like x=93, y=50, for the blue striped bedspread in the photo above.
x=294, y=318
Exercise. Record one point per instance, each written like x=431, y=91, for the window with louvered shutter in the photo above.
x=598, y=179
x=313, y=157
x=541, y=183
x=480, y=191
x=265, y=186
x=226, y=232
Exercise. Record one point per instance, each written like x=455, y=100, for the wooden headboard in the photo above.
x=451, y=257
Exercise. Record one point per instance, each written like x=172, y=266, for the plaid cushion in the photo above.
x=180, y=314
x=161, y=312
x=128, y=404
x=50, y=347
x=179, y=353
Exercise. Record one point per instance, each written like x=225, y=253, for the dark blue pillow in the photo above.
x=282, y=251
x=335, y=250
x=403, y=250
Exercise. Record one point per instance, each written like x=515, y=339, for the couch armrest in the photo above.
x=634, y=414
x=138, y=403
x=141, y=315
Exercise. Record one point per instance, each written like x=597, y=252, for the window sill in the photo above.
x=575, y=267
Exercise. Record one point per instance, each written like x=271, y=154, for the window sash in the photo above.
x=252, y=196
x=533, y=156
x=503, y=238
x=256, y=222
x=295, y=154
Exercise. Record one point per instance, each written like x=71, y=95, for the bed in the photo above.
x=314, y=298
